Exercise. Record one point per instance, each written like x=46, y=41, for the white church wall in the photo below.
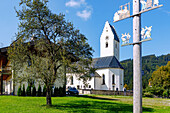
x=107, y=32
x=102, y=72
x=79, y=83
x=97, y=83
x=118, y=78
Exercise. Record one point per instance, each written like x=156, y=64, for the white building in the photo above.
x=109, y=74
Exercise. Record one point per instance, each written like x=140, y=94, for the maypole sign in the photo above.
x=139, y=36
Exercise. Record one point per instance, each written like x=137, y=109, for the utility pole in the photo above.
x=137, y=59
x=122, y=14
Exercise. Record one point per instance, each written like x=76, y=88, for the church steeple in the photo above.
x=109, y=42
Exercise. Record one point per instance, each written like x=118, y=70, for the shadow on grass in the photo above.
x=93, y=97
x=95, y=105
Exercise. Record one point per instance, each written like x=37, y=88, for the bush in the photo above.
x=56, y=91
x=165, y=93
x=158, y=91
x=34, y=91
x=19, y=92
x=39, y=90
x=148, y=94
x=28, y=92
x=61, y=91
x=23, y=90
x=44, y=90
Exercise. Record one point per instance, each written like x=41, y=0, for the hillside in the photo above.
x=149, y=64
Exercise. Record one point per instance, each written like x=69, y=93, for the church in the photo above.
x=109, y=74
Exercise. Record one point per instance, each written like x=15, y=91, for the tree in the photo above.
x=28, y=91
x=44, y=90
x=160, y=79
x=46, y=44
x=33, y=91
x=39, y=90
x=23, y=90
x=19, y=92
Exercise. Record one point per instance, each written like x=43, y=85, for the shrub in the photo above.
x=39, y=90
x=165, y=93
x=55, y=91
x=34, y=91
x=28, y=92
x=148, y=94
x=19, y=92
x=61, y=91
x=44, y=90
x=23, y=90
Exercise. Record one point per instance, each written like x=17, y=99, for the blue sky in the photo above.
x=90, y=16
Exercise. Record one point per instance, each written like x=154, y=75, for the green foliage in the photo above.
x=166, y=93
x=23, y=90
x=148, y=94
x=28, y=91
x=33, y=91
x=157, y=91
x=44, y=90
x=161, y=77
x=61, y=92
x=56, y=91
x=150, y=63
x=45, y=44
x=19, y=92
x=39, y=90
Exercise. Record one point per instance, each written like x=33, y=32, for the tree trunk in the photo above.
x=48, y=96
x=64, y=86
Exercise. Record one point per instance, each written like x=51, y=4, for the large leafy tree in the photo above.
x=45, y=45
x=161, y=77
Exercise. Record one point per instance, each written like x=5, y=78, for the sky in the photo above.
x=89, y=16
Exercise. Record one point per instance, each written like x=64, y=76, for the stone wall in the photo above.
x=106, y=92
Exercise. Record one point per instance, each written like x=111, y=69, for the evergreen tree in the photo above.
x=28, y=91
x=19, y=93
x=44, y=90
x=39, y=90
x=33, y=91
x=55, y=91
x=23, y=90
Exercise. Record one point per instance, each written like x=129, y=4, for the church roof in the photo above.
x=107, y=62
x=114, y=32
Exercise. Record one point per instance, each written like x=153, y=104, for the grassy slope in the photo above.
x=94, y=104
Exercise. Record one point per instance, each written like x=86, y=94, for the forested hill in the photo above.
x=149, y=64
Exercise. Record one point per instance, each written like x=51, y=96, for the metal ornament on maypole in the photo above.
x=139, y=36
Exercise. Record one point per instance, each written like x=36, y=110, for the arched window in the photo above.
x=71, y=80
x=107, y=38
x=107, y=44
x=103, y=77
x=113, y=79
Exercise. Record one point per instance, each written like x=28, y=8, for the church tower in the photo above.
x=109, y=42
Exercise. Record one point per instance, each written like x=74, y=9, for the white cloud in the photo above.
x=86, y=11
x=84, y=14
x=75, y=3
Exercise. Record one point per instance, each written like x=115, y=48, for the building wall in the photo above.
x=119, y=78
x=77, y=82
x=97, y=82
x=110, y=50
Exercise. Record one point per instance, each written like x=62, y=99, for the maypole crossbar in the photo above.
x=138, y=34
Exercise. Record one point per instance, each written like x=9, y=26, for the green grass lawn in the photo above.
x=86, y=104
